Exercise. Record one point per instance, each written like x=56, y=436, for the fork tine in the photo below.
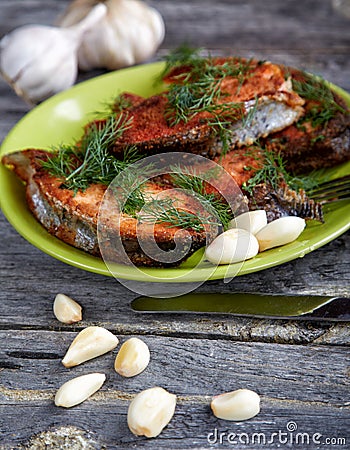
x=332, y=190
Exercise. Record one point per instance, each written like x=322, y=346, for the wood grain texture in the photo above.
x=300, y=369
x=287, y=394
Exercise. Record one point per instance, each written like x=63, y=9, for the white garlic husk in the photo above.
x=280, y=232
x=232, y=246
x=130, y=33
x=39, y=61
x=252, y=221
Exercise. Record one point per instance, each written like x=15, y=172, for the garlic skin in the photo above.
x=39, y=61
x=234, y=245
x=130, y=33
x=280, y=232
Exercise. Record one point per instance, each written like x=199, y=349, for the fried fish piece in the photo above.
x=321, y=137
x=250, y=106
x=73, y=217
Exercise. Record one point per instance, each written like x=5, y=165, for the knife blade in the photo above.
x=266, y=306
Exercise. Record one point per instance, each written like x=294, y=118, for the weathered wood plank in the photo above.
x=27, y=295
x=193, y=369
x=193, y=427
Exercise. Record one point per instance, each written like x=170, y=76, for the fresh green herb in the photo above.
x=201, y=92
x=90, y=161
x=318, y=138
x=198, y=89
x=248, y=118
x=131, y=192
x=163, y=211
x=196, y=186
x=316, y=89
x=273, y=172
x=184, y=55
x=112, y=107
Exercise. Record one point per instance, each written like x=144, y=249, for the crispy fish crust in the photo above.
x=264, y=89
x=278, y=201
x=305, y=146
x=73, y=218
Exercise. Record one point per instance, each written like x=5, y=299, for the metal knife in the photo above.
x=296, y=307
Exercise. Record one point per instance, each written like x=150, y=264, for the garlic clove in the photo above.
x=66, y=309
x=39, y=61
x=88, y=344
x=242, y=404
x=280, y=232
x=150, y=411
x=234, y=245
x=252, y=221
x=132, y=358
x=78, y=389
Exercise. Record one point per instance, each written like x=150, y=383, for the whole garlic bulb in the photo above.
x=130, y=33
x=39, y=61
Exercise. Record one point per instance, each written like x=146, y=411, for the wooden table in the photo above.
x=300, y=368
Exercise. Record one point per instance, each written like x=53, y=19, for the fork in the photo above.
x=332, y=190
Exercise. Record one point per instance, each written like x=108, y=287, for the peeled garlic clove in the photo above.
x=252, y=221
x=150, y=411
x=132, y=358
x=232, y=246
x=39, y=61
x=89, y=343
x=130, y=33
x=242, y=404
x=78, y=389
x=280, y=232
x=66, y=309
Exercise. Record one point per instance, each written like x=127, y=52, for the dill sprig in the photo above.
x=273, y=172
x=316, y=89
x=184, y=55
x=112, y=107
x=164, y=211
x=196, y=186
x=198, y=89
x=90, y=161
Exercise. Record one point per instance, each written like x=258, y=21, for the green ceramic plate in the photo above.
x=60, y=119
